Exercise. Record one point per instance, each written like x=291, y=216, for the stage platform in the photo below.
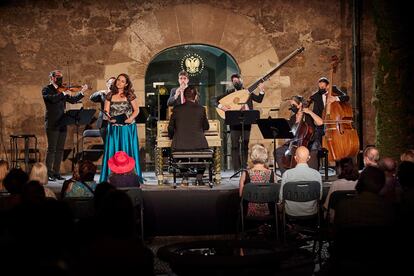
x=188, y=210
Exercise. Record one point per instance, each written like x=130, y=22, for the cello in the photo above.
x=340, y=139
x=303, y=134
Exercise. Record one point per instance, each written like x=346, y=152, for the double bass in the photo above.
x=340, y=139
x=303, y=134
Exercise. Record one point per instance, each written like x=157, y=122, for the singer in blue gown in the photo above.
x=122, y=106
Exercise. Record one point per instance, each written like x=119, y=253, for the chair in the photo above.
x=335, y=198
x=137, y=199
x=260, y=193
x=96, y=150
x=82, y=207
x=27, y=146
x=191, y=160
x=303, y=191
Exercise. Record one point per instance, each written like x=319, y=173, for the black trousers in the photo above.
x=55, y=144
x=236, y=150
x=103, y=130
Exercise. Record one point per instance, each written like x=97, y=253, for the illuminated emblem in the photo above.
x=193, y=64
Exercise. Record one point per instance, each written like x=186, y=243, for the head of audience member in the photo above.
x=408, y=155
x=347, y=169
x=101, y=190
x=405, y=174
x=302, y=155
x=372, y=179
x=371, y=156
x=39, y=173
x=183, y=78
x=116, y=215
x=259, y=155
x=15, y=180
x=121, y=163
x=190, y=93
x=33, y=192
x=388, y=165
x=4, y=169
x=87, y=171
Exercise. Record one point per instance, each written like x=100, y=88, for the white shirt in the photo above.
x=301, y=172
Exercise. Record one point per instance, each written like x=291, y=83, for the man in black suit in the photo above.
x=99, y=97
x=55, y=131
x=320, y=99
x=236, y=130
x=187, y=125
x=177, y=93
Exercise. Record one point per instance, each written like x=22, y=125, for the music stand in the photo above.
x=275, y=129
x=241, y=117
x=77, y=117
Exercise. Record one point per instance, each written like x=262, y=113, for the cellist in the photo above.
x=303, y=122
x=319, y=102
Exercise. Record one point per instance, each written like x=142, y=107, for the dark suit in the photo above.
x=55, y=131
x=171, y=101
x=318, y=107
x=187, y=125
x=236, y=130
x=99, y=97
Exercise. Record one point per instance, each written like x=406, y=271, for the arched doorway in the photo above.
x=209, y=69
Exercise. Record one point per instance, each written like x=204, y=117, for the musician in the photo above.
x=177, y=93
x=320, y=100
x=236, y=131
x=99, y=97
x=299, y=114
x=55, y=131
x=187, y=125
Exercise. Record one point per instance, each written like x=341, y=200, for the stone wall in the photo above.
x=97, y=39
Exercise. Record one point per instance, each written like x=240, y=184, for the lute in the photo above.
x=236, y=99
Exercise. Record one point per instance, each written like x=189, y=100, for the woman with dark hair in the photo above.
x=121, y=109
x=346, y=179
x=85, y=186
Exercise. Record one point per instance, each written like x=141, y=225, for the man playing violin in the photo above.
x=55, y=97
x=301, y=117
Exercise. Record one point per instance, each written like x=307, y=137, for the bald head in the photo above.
x=302, y=155
x=371, y=156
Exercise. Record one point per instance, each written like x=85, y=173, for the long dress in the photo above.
x=120, y=138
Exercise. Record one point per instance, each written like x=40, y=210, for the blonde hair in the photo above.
x=4, y=169
x=39, y=173
x=259, y=154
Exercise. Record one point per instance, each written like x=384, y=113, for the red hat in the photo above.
x=121, y=163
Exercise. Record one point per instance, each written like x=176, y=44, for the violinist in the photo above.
x=55, y=96
x=302, y=122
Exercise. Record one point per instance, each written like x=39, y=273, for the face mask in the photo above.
x=59, y=81
x=238, y=85
x=294, y=108
x=321, y=91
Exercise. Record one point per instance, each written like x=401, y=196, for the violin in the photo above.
x=71, y=88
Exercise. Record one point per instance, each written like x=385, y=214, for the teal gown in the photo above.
x=120, y=138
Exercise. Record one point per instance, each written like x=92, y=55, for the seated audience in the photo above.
x=391, y=190
x=408, y=155
x=371, y=156
x=123, y=172
x=347, y=179
x=257, y=173
x=86, y=185
x=302, y=172
x=14, y=182
x=39, y=173
x=4, y=169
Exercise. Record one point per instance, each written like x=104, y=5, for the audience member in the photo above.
x=408, y=155
x=123, y=172
x=371, y=156
x=4, y=169
x=86, y=185
x=39, y=173
x=391, y=190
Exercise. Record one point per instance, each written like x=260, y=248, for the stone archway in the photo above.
x=157, y=30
